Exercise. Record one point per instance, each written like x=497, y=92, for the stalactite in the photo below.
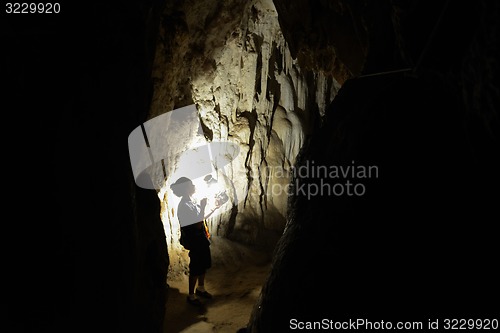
x=252, y=76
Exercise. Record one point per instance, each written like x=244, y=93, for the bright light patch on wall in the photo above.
x=155, y=146
x=206, y=166
x=171, y=146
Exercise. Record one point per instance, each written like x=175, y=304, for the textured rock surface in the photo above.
x=80, y=83
x=231, y=59
x=398, y=252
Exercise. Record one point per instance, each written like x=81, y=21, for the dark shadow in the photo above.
x=179, y=314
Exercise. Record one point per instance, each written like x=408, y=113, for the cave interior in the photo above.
x=410, y=87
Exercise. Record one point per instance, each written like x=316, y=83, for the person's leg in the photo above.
x=194, y=273
x=200, y=289
x=201, y=282
x=205, y=263
x=192, y=284
x=192, y=298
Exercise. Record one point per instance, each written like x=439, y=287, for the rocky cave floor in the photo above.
x=235, y=280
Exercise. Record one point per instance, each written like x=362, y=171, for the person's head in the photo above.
x=183, y=187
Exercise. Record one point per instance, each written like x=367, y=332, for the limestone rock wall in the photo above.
x=231, y=60
x=433, y=134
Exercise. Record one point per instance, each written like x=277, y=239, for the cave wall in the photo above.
x=231, y=60
x=115, y=257
x=400, y=251
x=88, y=247
x=84, y=253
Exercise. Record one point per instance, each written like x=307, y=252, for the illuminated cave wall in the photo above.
x=398, y=252
x=231, y=60
x=109, y=237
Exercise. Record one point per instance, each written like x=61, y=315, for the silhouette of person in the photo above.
x=194, y=236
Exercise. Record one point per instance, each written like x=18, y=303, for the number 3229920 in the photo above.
x=32, y=8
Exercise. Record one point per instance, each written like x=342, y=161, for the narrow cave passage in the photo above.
x=287, y=83
x=235, y=280
x=350, y=94
x=226, y=70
